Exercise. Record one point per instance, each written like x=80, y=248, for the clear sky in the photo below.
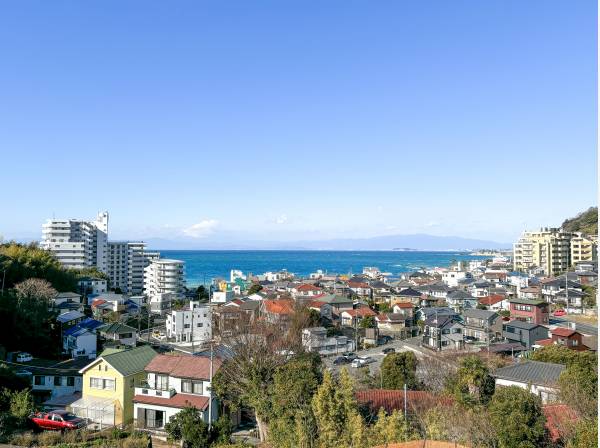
x=289, y=120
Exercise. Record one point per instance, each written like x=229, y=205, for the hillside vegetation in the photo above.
x=586, y=222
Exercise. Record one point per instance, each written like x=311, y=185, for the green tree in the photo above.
x=585, y=434
x=256, y=287
x=472, y=384
x=517, y=415
x=398, y=369
x=188, y=427
x=202, y=293
x=221, y=430
x=367, y=322
x=294, y=383
x=336, y=413
x=390, y=428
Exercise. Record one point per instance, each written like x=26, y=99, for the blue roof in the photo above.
x=90, y=324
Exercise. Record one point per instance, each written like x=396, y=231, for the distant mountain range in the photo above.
x=393, y=242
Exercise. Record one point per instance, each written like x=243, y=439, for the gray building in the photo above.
x=525, y=333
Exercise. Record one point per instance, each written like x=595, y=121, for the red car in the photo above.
x=57, y=420
x=559, y=313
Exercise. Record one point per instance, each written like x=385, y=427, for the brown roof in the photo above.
x=281, y=306
x=308, y=287
x=564, y=332
x=176, y=401
x=391, y=400
x=403, y=304
x=422, y=444
x=183, y=366
x=361, y=312
x=492, y=299
x=358, y=285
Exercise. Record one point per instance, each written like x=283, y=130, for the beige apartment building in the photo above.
x=583, y=248
x=552, y=250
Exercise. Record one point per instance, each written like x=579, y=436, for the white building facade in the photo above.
x=76, y=243
x=192, y=324
x=126, y=263
x=163, y=283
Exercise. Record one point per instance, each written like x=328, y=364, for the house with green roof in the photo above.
x=117, y=333
x=108, y=385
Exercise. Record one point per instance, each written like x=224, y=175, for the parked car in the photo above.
x=358, y=362
x=23, y=357
x=340, y=360
x=559, y=313
x=350, y=357
x=385, y=339
x=56, y=421
x=470, y=340
x=389, y=350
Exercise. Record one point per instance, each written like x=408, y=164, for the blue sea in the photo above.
x=201, y=266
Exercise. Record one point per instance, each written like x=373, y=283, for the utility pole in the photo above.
x=210, y=397
x=404, y=401
x=3, y=278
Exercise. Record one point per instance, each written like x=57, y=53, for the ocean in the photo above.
x=201, y=266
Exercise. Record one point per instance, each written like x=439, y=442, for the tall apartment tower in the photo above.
x=163, y=282
x=126, y=263
x=76, y=243
x=583, y=248
x=548, y=249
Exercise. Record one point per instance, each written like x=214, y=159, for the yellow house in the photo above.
x=109, y=385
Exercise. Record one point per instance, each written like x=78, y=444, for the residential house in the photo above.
x=539, y=378
x=480, y=288
x=56, y=383
x=351, y=318
x=66, y=301
x=443, y=333
x=92, y=285
x=551, y=288
x=117, y=333
x=80, y=340
x=396, y=323
x=69, y=319
x=306, y=290
x=566, y=337
x=495, y=276
x=338, y=303
x=436, y=290
x=482, y=325
x=277, y=311
x=190, y=324
x=323, y=308
x=452, y=278
x=439, y=311
x=532, y=292
x=459, y=300
x=408, y=295
x=494, y=302
x=315, y=339
x=171, y=383
x=404, y=308
x=525, y=333
x=534, y=311
x=360, y=288
x=109, y=385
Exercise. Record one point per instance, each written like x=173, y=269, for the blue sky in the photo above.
x=286, y=120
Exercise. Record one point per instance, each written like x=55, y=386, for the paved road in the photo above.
x=377, y=354
x=585, y=328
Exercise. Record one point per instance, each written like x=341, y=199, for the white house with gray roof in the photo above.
x=540, y=378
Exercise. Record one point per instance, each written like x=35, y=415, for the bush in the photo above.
x=135, y=441
x=49, y=438
x=25, y=439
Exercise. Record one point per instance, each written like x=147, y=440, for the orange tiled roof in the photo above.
x=308, y=287
x=281, y=306
x=391, y=400
x=178, y=401
x=492, y=299
x=361, y=312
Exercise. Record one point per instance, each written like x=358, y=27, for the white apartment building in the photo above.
x=163, y=283
x=192, y=321
x=126, y=263
x=76, y=243
x=583, y=248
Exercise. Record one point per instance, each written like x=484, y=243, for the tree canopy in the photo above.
x=398, y=369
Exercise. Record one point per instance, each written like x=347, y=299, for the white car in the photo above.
x=24, y=357
x=358, y=362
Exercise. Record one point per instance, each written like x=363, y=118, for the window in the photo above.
x=70, y=381
x=102, y=383
x=186, y=386
x=197, y=387
x=200, y=325
x=186, y=326
x=162, y=382
x=39, y=380
x=57, y=381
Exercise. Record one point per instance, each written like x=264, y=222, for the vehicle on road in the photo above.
x=340, y=360
x=350, y=356
x=159, y=335
x=559, y=313
x=23, y=357
x=56, y=421
x=358, y=362
x=389, y=350
x=470, y=340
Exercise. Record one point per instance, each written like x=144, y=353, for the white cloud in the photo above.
x=202, y=229
x=432, y=224
x=282, y=219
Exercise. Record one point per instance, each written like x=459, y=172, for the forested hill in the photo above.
x=586, y=222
